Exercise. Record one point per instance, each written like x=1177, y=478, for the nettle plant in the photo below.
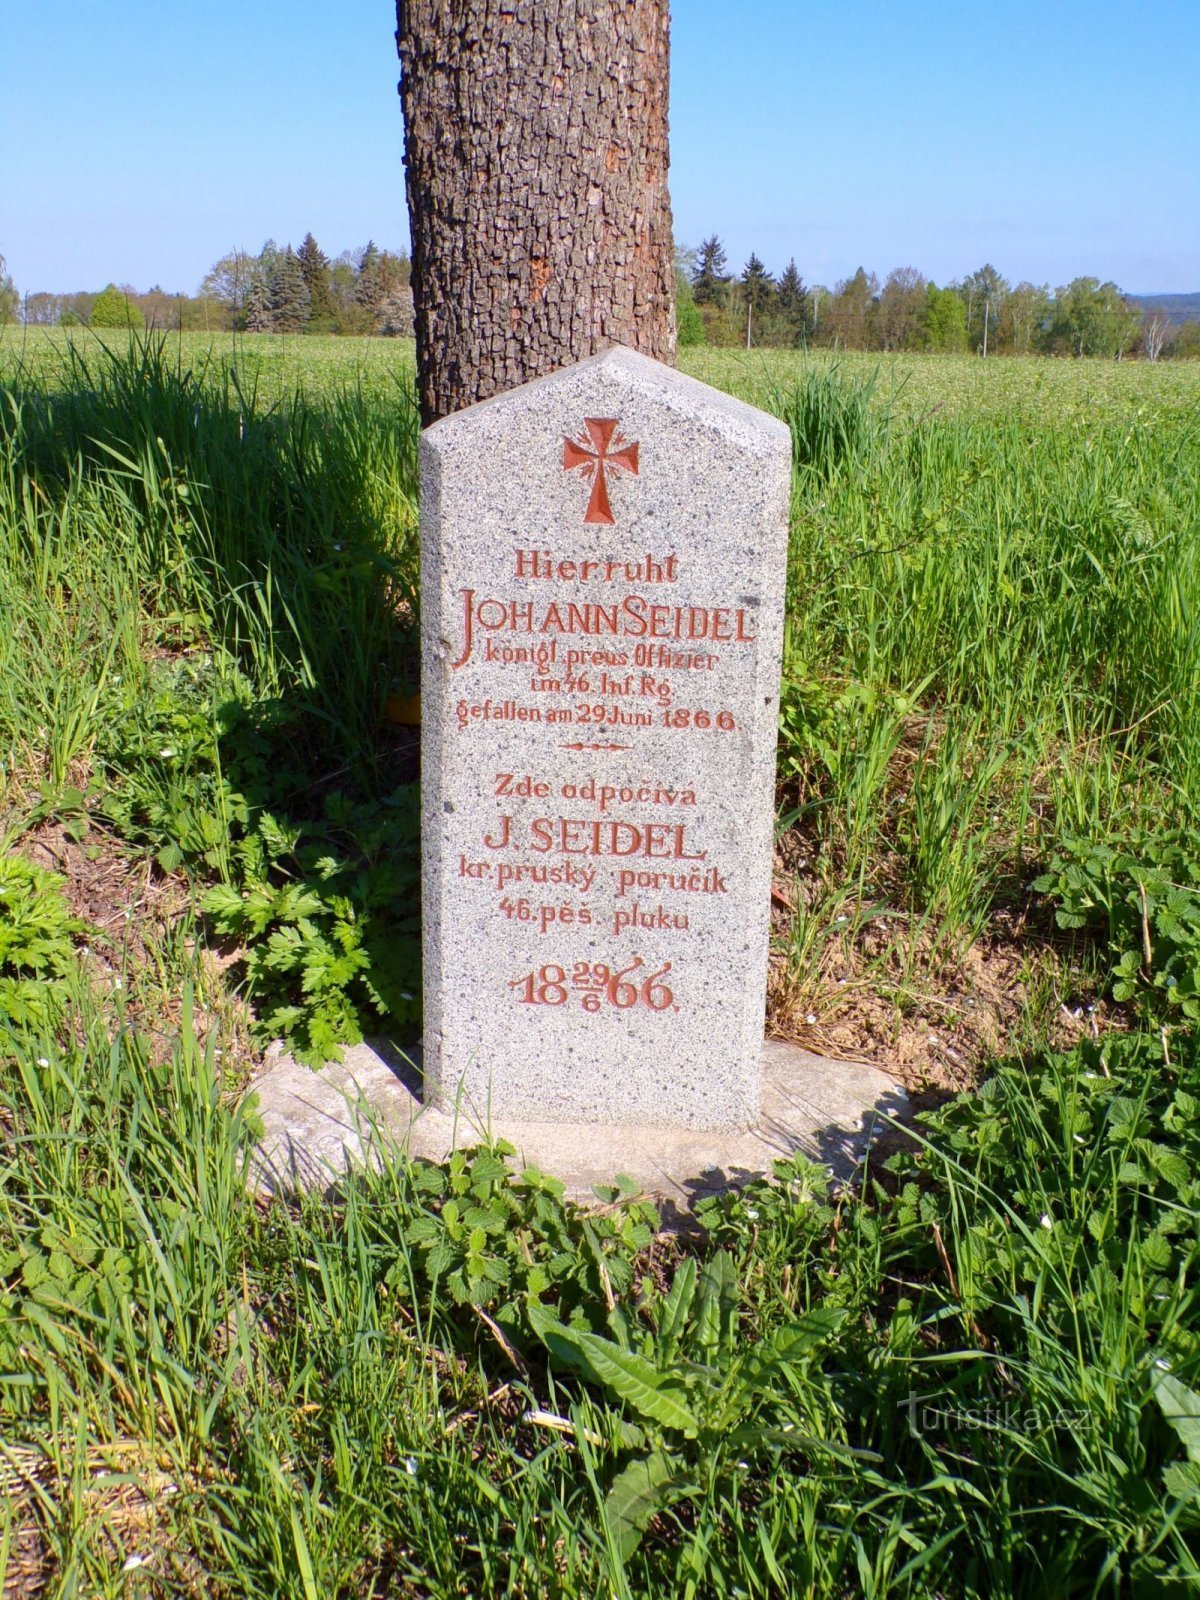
x=1143, y=897
x=56, y=1270
x=330, y=930
x=320, y=891
x=491, y=1238
x=37, y=943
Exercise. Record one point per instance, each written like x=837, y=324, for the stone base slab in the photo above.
x=316, y=1125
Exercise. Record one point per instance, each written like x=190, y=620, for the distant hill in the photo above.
x=1176, y=307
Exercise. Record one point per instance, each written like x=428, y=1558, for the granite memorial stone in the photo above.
x=602, y=577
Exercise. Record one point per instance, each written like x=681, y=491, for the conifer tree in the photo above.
x=794, y=304
x=314, y=265
x=290, y=302
x=758, y=284
x=256, y=306
x=710, y=276
x=369, y=288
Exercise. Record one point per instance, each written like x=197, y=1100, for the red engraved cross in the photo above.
x=607, y=449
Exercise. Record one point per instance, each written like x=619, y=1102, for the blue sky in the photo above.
x=1053, y=139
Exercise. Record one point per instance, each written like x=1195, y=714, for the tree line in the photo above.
x=368, y=291
x=279, y=290
x=981, y=312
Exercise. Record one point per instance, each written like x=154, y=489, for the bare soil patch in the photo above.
x=131, y=909
x=122, y=895
x=876, y=991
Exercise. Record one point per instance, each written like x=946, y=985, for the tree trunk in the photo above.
x=536, y=172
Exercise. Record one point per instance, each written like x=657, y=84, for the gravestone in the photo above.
x=603, y=560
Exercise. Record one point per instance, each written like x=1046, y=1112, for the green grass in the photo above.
x=978, y=1379
x=1042, y=390
x=1021, y=604
x=975, y=1374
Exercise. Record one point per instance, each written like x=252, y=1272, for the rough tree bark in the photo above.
x=536, y=171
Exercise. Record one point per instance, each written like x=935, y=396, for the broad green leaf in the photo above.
x=488, y=1167
x=794, y=1341
x=481, y=1217
x=1181, y=1407
x=716, y=1306
x=170, y=857
x=637, y=1492
x=1182, y=1479
x=623, y=1373
x=676, y=1307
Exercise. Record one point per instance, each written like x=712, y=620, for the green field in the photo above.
x=1037, y=388
x=975, y=1373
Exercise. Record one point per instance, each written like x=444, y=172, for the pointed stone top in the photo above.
x=622, y=371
